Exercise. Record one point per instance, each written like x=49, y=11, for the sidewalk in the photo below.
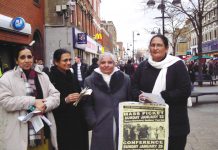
x=204, y=121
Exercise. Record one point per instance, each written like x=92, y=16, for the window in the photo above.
x=37, y=1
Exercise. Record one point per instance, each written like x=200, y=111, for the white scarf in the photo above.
x=106, y=77
x=160, y=83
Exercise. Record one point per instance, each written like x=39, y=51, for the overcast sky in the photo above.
x=129, y=16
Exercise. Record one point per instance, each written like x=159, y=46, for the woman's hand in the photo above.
x=71, y=98
x=40, y=105
x=144, y=99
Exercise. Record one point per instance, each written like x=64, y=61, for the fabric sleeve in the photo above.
x=182, y=88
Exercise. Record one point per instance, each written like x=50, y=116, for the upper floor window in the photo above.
x=37, y=2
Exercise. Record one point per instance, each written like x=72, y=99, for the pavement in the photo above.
x=203, y=119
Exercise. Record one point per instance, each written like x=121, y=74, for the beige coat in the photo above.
x=14, y=103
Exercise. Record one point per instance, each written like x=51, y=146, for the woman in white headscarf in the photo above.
x=110, y=86
x=166, y=76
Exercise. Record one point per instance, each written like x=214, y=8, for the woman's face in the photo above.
x=107, y=65
x=25, y=59
x=157, y=49
x=65, y=62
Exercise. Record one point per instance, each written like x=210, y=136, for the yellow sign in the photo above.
x=98, y=36
x=102, y=50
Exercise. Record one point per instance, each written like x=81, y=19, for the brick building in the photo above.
x=30, y=16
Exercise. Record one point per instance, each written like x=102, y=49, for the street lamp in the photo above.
x=161, y=7
x=133, y=42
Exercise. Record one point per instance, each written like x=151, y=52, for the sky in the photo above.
x=130, y=16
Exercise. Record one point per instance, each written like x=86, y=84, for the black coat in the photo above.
x=102, y=107
x=178, y=89
x=71, y=129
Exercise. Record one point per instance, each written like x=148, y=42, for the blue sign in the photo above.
x=82, y=38
x=18, y=23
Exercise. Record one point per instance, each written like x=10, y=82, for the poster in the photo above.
x=143, y=126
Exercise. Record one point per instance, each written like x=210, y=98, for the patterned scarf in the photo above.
x=35, y=139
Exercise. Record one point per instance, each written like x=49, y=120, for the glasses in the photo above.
x=66, y=60
x=157, y=45
x=22, y=57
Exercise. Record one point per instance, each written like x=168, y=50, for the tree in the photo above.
x=195, y=11
x=174, y=25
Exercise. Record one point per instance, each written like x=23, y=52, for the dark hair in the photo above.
x=94, y=60
x=19, y=49
x=163, y=38
x=58, y=53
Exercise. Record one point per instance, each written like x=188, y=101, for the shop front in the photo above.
x=85, y=46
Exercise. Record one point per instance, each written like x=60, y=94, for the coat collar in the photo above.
x=116, y=82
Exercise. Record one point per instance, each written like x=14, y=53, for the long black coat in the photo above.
x=102, y=107
x=71, y=129
x=178, y=89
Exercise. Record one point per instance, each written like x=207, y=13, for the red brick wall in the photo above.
x=26, y=9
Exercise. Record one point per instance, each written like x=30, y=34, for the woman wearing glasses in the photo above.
x=23, y=90
x=71, y=129
x=166, y=76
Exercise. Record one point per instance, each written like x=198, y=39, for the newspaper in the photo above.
x=143, y=126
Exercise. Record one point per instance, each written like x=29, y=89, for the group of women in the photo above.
x=27, y=88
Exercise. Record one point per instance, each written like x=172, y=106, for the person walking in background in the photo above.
x=93, y=66
x=71, y=129
x=166, y=76
x=110, y=86
x=80, y=70
x=22, y=90
x=129, y=68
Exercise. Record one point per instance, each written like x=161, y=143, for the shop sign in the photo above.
x=18, y=23
x=210, y=46
x=82, y=38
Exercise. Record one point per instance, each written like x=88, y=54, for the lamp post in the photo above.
x=161, y=7
x=133, y=42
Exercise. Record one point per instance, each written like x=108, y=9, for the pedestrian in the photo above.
x=129, y=68
x=22, y=90
x=71, y=129
x=92, y=66
x=166, y=76
x=80, y=70
x=110, y=86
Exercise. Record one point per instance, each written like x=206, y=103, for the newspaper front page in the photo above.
x=143, y=126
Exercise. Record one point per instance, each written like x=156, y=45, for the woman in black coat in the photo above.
x=71, y=130
x=110, y=87
x=166, y=76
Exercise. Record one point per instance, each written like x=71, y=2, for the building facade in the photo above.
x=21, y=22
x=72, y=25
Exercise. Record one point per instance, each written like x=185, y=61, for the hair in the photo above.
x=58, y=53
x=105, y=54
x=163, y=38
x=94, y=60
x=19, y=49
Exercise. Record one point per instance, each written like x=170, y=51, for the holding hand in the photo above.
x=144, y=99
x=71, y=98
x=40, y=105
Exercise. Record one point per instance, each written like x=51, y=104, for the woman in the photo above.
x=110, y=86
x=22, y=90
x=167, y=76
x=71, y=130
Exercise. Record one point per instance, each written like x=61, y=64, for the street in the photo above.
x=204, y=121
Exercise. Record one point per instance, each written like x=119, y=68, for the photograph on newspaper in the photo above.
x=143, y=126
